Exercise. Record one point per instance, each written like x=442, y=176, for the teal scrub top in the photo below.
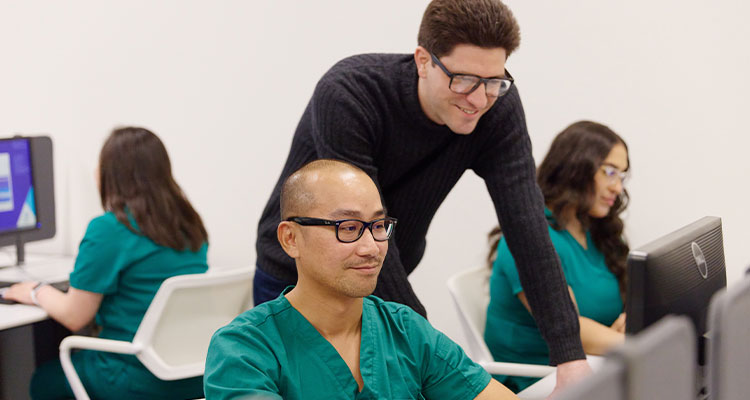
x=273, y=352
x=127, y=268
x=511, y=332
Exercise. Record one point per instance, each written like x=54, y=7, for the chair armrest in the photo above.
x=515, y=369
x=89, y=343
x=92, y=343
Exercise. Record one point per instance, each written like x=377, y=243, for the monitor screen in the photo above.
x=27, y=195
x=17, y=204
x=676, y=274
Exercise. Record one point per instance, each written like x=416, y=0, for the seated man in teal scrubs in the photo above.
x=327, y=337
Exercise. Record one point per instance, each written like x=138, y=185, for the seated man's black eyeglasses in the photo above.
x=350, y=230
x=466, y=84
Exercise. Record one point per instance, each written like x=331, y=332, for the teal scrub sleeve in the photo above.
x=240, y=366
x=447, y=372
x=505, y=265
x=100, y=256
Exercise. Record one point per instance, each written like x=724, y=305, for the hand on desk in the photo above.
x=74, y=309
x=569, y=373
x=20, y=292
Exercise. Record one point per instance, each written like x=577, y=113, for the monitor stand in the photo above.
x=20, y=255
x=20, y=252
x=701, y=370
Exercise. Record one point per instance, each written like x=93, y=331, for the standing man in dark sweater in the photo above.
x=415, y=123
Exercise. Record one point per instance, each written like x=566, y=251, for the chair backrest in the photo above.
x=470, y=291
x=728, y=350
x=175, y=331
x=661, y=361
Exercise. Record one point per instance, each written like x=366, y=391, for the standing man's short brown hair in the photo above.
x=482, y=23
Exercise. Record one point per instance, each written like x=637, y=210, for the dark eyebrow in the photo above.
x=380, y=213
x=343, y=214
x=491, y=77
x=615, y=166
x=450, y=71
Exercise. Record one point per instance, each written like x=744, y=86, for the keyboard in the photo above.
x=62, y=286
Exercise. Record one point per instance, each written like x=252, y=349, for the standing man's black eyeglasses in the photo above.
x=465, y=84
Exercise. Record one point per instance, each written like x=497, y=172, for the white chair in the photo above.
x=471, y=295
x=172, y=339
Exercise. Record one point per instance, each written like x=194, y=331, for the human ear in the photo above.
x=287, y=236
x=421, y=58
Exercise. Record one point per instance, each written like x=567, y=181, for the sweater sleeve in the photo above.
x=344, y=128
x=393, y=282
x=507, y=167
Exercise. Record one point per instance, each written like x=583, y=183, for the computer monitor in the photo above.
x=27, y=193
x=676, y=274
x=728, y=352
x=658, y=363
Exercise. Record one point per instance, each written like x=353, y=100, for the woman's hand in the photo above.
x=21, y=292
x=619, y=324
x=73, y=309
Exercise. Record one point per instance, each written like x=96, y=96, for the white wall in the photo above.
x=224, y=83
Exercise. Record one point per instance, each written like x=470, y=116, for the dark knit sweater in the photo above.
x=365, y=110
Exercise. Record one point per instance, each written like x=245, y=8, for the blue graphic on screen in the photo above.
x=17, y=205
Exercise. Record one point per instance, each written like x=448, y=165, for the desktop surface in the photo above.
x=542, y=388
x=47, y=268
x=24, y=328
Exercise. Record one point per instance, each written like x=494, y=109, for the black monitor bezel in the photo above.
x=640, y=260
x=43, y=180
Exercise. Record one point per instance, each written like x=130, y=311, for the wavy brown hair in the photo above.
x=566, y=177
x=135, y=177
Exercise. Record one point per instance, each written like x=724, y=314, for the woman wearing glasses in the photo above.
x=148, y=233
x=582, y=180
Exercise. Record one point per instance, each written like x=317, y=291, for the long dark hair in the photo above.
x=135, y=174
x=566, y=177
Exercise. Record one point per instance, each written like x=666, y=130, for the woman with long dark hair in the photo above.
x=582, y=180
x=148, y=233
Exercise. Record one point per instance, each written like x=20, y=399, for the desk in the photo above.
x=37, y=267
x=542, y=388
x=17, y=353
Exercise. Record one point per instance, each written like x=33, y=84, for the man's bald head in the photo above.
x=297, y=196
x=324, y=193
